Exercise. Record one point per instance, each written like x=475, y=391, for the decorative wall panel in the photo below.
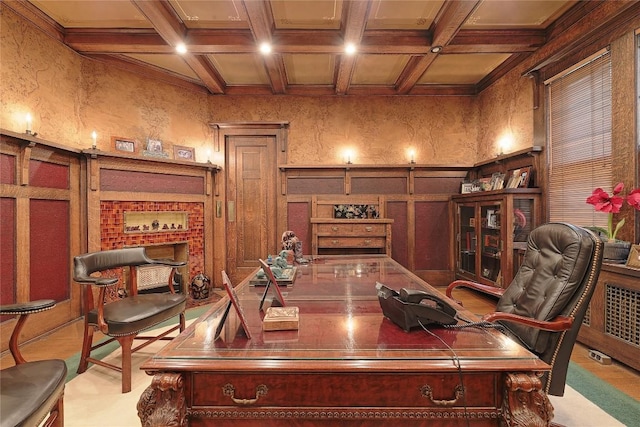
x=7, y=169
x=432, y=235
x=49, y=249
x=48, y=175
x=8, y=245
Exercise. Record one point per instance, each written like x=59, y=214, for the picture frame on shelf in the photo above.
x=154, y=148
x=126, y=145
x=497, y=181
x=525, y=177
x=633, y=260
x=467, y=187
x=184, y=153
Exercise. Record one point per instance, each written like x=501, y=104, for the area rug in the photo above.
x=93, y=399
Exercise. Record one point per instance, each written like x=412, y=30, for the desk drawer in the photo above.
x=340, y=390
x=352, y=229
x=351, y=242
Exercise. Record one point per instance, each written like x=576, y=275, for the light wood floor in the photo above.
x=67, y=341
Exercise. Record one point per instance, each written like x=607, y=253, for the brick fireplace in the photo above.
x=185, y=244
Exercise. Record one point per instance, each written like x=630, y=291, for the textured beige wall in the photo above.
x=70, y=96
x=506, y=114
x=379, y=130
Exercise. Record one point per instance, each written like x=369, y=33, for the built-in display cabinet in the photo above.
x=491, y=228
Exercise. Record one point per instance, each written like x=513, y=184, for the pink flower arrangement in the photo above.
x=602, y=202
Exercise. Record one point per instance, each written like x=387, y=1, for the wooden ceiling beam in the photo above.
x=261, y=24
x=173, y=31
x=446, y=27
x=355, y=21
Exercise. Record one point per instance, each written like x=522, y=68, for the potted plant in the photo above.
x=614, y=250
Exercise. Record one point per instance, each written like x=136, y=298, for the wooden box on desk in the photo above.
x=281, y=319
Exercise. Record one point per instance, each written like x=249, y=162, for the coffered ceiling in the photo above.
x=396, y=41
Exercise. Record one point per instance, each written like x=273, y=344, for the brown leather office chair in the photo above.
x=31, y=392
x=543, y=307
x=123, y=317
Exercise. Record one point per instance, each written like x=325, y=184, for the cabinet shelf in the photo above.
x=498, y=240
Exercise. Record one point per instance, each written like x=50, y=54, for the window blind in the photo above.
x=580, y=141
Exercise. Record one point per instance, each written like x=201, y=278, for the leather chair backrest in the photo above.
x=89, y=263
x=557, y=277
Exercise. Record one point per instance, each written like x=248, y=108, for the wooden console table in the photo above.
x=346, y=365
x=356, y=235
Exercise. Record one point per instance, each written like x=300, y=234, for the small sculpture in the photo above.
x=292, y=245
x=200, y=286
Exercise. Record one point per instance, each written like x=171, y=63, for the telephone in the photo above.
x=410, y=307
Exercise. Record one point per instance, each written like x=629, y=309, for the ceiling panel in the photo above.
x=172, y=63
x=307, y=14
x=240, y=69
x=378, y=69
x=211, y=14
x=402, y=14
x=310, y=69
x=462, y=69
x=93, y=14
x=521, y=13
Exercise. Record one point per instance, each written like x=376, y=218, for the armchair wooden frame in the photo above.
x=543, y=307
x=125, y=317
x=32, y=392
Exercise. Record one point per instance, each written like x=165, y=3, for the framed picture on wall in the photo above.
x=184, y=153
x=126, y=145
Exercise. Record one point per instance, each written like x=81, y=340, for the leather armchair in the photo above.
x=126, y=316
x=31, y=392
x=543, y=307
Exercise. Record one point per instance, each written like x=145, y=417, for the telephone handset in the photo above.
x=411, y=307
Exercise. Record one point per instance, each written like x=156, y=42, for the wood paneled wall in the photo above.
x=415, y=197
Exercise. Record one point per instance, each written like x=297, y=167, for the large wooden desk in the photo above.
x=346, y=365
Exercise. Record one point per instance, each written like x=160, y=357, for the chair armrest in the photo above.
x=487, y=289
x=27, y=307
x=560, y=323
x=167, y=262
x=97, y=281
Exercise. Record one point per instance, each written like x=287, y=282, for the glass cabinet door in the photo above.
x=490, y=241
x=467, y=239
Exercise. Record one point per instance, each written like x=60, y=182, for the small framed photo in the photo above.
x=154, y=149
x=126, y=145
x=525, y=176
x=154, y=145
x=634, y=257
x=184, y=153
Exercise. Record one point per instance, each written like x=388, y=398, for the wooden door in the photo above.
x=251, y=202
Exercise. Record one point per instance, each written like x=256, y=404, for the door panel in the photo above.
x=251, y=204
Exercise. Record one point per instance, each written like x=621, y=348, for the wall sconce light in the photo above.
x=208, y=155
x=505, y=143
x=94, y=138
x=348, y=157
x=28, y=127
x=412, y=155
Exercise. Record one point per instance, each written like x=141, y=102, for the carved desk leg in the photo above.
x=162, y=403
x=525, y=404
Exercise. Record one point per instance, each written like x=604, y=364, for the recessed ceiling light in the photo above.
x=350, y=49
x=181, y=48
x=265, y=48
x=436, y=49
